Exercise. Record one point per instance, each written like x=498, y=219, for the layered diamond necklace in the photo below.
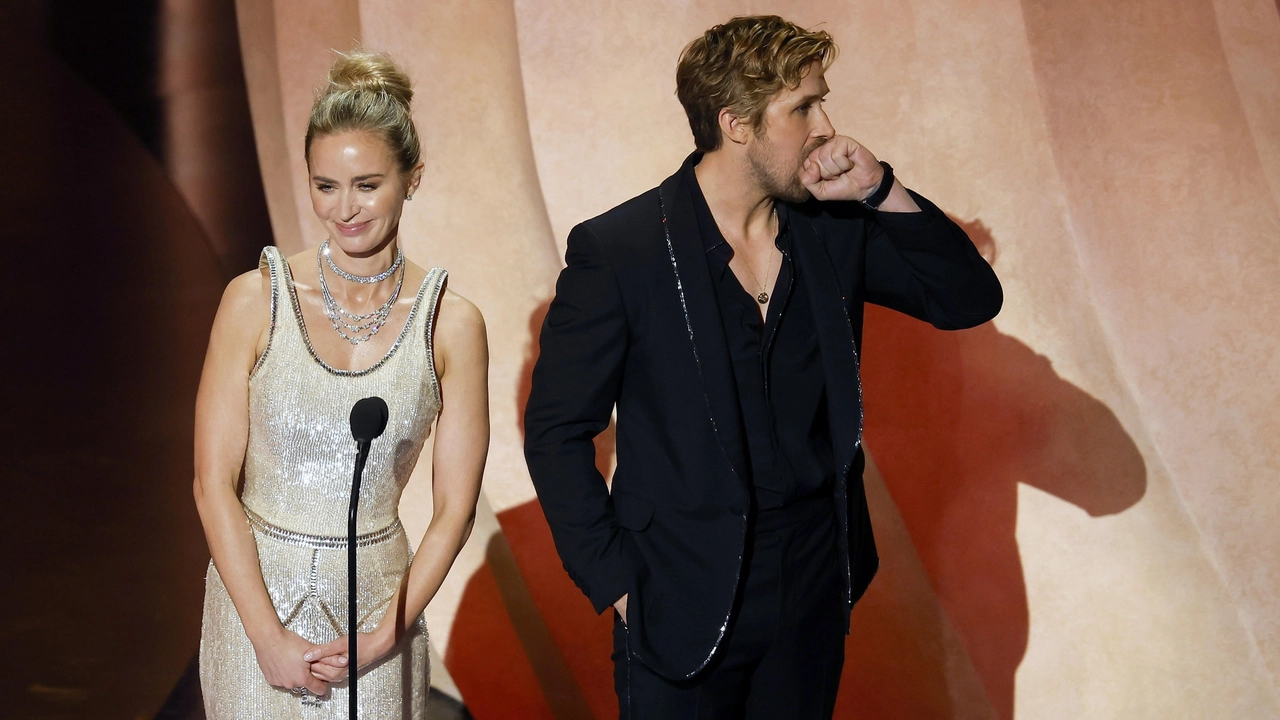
x=357, y=328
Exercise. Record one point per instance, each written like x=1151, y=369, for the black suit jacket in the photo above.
x=636, y=324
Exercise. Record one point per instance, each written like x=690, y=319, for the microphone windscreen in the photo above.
x=368, y=419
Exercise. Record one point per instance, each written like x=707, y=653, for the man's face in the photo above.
x=793, y=125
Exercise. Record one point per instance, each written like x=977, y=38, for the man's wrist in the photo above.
x=878, y=196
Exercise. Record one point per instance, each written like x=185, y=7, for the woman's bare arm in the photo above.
x=222, y=431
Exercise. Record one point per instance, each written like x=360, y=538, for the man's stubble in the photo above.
x=777, y=176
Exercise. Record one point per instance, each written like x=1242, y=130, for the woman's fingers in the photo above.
x=315, y=685
x=329, y=673
x=337, y=661
x=332, y=668
x=329, y=661
x=284, y=668
x=329, y=649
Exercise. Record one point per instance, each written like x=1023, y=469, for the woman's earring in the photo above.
x=409, y=196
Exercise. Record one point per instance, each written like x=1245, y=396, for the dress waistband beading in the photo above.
x=319, y=542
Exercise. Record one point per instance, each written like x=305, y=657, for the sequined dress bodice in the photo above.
x=299, y=460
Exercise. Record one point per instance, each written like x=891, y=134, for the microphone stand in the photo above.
x=362, y=454
x=368, y=420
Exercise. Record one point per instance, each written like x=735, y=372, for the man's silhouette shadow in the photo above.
x=955, y=421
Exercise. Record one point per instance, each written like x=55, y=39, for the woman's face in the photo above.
x=357, y=190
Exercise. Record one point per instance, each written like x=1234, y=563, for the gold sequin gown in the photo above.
x=298, y=468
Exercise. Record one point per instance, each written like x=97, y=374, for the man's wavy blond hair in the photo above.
x=741, y=65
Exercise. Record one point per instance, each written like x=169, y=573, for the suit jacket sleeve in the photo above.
x=924, y=265
x=575, y=384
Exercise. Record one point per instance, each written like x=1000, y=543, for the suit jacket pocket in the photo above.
x=633, y=513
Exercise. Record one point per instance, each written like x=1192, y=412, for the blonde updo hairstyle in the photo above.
x=367, y=92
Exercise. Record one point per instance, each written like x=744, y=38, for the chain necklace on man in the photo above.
x=762, y=296
x=360, y=327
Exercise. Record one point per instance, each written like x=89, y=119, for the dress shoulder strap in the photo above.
x=437, y=280
x=274, y=262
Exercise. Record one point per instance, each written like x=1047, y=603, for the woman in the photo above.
x=293, y=346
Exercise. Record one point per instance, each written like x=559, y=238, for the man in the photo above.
x=721, y=314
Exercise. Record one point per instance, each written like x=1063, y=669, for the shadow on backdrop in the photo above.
x=955, y=421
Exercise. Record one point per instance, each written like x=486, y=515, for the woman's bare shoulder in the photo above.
x=460, y=332
x=459, y=314
x=248, y=291
x=245, y=310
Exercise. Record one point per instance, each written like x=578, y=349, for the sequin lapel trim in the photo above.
x=688, y=322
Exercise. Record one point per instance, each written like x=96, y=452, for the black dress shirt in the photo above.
x=777, y=368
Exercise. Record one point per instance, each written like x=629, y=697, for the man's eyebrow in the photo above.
x=814, y=96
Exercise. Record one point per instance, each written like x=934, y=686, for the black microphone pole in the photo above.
x=368, y=420
x=362, y=454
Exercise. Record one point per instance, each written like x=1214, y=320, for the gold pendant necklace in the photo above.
x=762, y=297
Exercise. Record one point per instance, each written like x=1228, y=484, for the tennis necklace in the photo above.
x=357, y=328
x=362, y=279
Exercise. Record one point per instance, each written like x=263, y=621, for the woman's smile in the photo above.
x=351, y=229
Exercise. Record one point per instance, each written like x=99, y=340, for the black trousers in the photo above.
x=784, y=650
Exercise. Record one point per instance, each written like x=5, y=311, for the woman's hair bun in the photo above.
x=367, y=92
x=359, y=70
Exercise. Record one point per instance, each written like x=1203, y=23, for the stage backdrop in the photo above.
x=1075, y=503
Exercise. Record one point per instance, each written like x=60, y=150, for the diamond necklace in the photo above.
x=361, y=327
x=362, y=279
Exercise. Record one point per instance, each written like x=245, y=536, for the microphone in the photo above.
x=368, y=421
